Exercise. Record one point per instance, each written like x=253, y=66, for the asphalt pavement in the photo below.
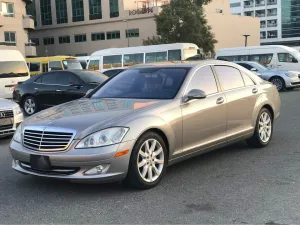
x=233, y=185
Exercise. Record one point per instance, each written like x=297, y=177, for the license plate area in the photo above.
x=6, y=121
x=40, y=162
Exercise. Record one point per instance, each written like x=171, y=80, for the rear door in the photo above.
x=241, y=94
x=71, y=87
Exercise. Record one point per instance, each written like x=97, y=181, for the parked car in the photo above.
x=113, y=72
x=282, y=79
x=152, y=116
x=54, y=88
x=11, y=116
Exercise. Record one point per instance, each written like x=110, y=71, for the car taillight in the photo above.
x=15, y=86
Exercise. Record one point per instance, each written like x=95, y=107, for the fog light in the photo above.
x=97, y=170
x=14, y=163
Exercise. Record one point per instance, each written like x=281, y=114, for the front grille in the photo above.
x=6, y=127
x=55, y=170
x=6, y=114
x=43, y=140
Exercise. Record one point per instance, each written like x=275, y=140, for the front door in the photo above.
x=46, y=90
x=241, y=95
x=204, y=120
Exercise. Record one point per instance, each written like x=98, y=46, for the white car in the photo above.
x=11, y=116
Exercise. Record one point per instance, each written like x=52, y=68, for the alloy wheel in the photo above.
x=265, y=127
x=278, y=83
x=29, y=106
x=150, y=161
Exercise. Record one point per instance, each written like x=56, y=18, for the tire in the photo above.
x=278, y=82
x=29, y=105
x=139, y=177
x=264, y=123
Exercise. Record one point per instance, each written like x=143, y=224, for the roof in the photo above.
x=49, y=58
x=11, y=55
x=256, y=47
x=148, y=48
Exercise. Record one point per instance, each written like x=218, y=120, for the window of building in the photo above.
x=35, y=41
x=94, y=65
x=132, y=59
x=156, y=57
x=114, y=8
x=49, y=41
x=290, y=19
x=31, y=10
x=80, y=38
x=61, y=11
x=287, y=58
x=204, y=80
x=10, y=37
x=77, y=10
x=49, y=78
x=132, y=33
x=229, y=77
x=46, y=14
x=112, y=61
x=35, y=67
x=235, y=4
x=112, y=35
x=98, y=36
x=174, y=55
x=63, y=39
x=95, y=9
x=8, y=9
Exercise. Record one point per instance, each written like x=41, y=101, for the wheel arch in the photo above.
x=271, y=110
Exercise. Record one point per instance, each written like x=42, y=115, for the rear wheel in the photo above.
x=29, y=105
x=263, y=130
x=147, y=162
x=279, y=83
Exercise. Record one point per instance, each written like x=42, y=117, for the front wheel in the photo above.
x=29, y=105
x=147, y=162
x=278, y=82
x=263, y=130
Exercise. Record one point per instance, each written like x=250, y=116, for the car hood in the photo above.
x=7, y=104
x=85, y=114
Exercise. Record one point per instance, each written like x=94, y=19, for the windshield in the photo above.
x=72, y=64
x=261, y=67
x=91, y=76
x=144, y=83
x=13, y=69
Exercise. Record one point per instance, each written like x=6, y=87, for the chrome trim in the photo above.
x=42, y=138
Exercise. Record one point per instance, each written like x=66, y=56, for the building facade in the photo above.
x=81, y=27
x=279, y=19
x=14, y=26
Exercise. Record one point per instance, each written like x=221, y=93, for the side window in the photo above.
x=112, y=61
x=49, y=78
x=174, y=55
x=55, y=65
x=94, y=65
x=248, y=81
x=133, y=59
x=229, y=77
x=67, y=79
x=45, y=67
x=156, y=57
x=286, y=57
x=203, y=80
x=35, y=67
x=264, y=59
x=38, y=80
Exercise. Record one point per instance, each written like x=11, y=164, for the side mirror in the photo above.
x=254, y=69
x=194, y=94
x=88, y=92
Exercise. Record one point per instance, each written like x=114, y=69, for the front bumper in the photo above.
x=292, y=82
x=72, y=164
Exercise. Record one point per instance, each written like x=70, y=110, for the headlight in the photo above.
x=17, y=111
x=105, y=137
x=18, y=134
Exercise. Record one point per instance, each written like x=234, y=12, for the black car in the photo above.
x=54, y=88
x=113, y=72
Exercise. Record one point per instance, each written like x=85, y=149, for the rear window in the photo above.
x=91, y=76
x=10, y=69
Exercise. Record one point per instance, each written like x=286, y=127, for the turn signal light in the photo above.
x=118, y=154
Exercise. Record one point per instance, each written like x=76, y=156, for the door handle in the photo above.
x=254, y=90
x=36, y=89
x=279, y=65
x=220, y=100
x=58, y=90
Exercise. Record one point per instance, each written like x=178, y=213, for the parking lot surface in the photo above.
x=235, y=185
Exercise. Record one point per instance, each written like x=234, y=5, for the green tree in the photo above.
x=183, y=21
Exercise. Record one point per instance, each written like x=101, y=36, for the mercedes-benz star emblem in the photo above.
x=2, y=114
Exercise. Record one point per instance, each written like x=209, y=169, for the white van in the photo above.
x=13, y=69
x=273, y=56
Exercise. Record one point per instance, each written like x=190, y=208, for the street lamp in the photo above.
x=127, y=33
x=246, y=39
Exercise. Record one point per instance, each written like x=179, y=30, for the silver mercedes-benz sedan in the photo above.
x=144, y=119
